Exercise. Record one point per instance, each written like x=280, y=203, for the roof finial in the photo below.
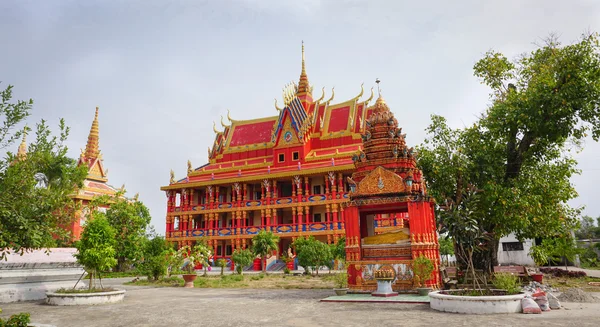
x=378, y=89
x=92, y=149
x=303, y=85
x=22, y=152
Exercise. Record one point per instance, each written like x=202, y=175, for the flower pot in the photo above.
x=423, y=290
x=189, y=280
x=340, y=291
x=538, y=277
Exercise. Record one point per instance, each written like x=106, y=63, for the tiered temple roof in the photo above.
x=324, y=134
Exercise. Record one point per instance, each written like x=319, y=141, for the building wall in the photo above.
x=509, y=252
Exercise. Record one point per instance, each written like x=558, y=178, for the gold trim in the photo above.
x=258, y=178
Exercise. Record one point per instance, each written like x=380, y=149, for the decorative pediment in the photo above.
x=287, y=134
x=379, y=181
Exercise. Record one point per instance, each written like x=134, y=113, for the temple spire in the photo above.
x=303, y=85
x=91, y=149
x=22, y=152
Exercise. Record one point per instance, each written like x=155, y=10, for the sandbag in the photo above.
x=542, y=302
x=553, y=301
x=529, y=305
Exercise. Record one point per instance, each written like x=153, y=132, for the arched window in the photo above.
x=176, y=223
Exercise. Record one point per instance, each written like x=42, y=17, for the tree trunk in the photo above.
x=264, y=263
x=487, y=258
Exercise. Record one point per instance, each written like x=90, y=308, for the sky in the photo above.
x=163, y=71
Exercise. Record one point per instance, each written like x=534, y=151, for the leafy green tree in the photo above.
x=154, y=263
x=338, y=250
x=446, y=247
x=130, y=218
x=587, y=229
x=174, y=261
x=516, y=154
x=35, y=193
x=263, y=244
x=197, y=254
x=96, y=252
x=561, y=247
x=241, y=259
x=313, y=253
x=12, y=114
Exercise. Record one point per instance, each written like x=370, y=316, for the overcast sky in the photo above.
x=162, y=71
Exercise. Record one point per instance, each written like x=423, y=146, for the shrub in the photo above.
x=422, y=269
x=506, y=281
x=241, y=259
x=95, y=251
x=18, y=320
x=286, y=270
x=340, y=280
x=557, y=272
x=154, y=264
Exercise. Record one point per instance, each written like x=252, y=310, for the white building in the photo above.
x=513, y=252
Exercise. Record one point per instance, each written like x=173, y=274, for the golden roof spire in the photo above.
x=22, y=152
x=92, y=149
x=303, y=85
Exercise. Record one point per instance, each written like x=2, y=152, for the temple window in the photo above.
x=177, y=199
x=228, y=250
x=296, y=155
x=317, y=217
x=317, y=189
x=281, y=157
x=285, y=188
x=176, y=223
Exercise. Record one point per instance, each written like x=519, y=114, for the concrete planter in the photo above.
x=476, y=304
x=340, y=291
x=84, y=298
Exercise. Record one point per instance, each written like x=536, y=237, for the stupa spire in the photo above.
x=303, y=85
x=22, y=152
x=91, y=149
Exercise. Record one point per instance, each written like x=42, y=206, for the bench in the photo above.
x=449, y=277
x=519, y=271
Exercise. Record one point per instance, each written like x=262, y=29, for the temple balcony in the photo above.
x=279, y=202
x=250, y=231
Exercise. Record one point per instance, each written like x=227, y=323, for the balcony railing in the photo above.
x=253, y=230
x=264, y=202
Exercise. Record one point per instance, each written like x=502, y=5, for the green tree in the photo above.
x=96, y=252
x=313, y=253
x=446, y=247
x=263, y=244
x=197, y=254
x=12, y=114
x=154, y=262
x=516, y=154
x=561, y=247
x=241, y=259
x=35, y=193
x=338, y=250
x=130, y=218
x=587, y=229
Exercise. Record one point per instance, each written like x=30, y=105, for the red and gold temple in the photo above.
x=313, y=169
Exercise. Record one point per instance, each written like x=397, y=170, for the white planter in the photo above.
x=476, y=304
x=85, y=298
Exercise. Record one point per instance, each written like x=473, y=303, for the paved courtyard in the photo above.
x=145, y=306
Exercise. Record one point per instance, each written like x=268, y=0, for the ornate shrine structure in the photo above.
x=389, y=218
x=96, y=182
x=290, y=174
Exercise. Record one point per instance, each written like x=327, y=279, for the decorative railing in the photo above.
x=253, y=230
x=265, y=202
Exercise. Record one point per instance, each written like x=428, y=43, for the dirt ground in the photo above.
x=147, y=306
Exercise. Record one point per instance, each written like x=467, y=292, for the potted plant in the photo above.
x=540, y=257
x=340, y=281
x=196, y=254
x=422, y=270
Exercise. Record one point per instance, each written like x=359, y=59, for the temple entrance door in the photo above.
x=367, y=225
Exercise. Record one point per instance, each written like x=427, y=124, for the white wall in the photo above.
x=515, y=257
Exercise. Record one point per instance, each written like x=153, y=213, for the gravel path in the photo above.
x=146, y=306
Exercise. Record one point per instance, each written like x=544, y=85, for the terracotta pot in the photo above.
x=189, y=280
x=538, y=277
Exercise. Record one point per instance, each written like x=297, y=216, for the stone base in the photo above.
x=476, y=304
x=30, y=276
x=384, y=294
x=85, y=298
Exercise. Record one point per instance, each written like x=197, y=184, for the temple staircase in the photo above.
x=276, y=266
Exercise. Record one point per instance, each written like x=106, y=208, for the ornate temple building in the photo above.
x=96, y=182
x=315, y=168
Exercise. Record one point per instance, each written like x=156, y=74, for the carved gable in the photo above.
x=381, y=180
x=287, y=134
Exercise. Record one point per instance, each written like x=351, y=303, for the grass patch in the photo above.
x=563, y=283
x=84, y=291
x=173, y=281
x=265, y=282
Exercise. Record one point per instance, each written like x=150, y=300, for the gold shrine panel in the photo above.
x=381, y=180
